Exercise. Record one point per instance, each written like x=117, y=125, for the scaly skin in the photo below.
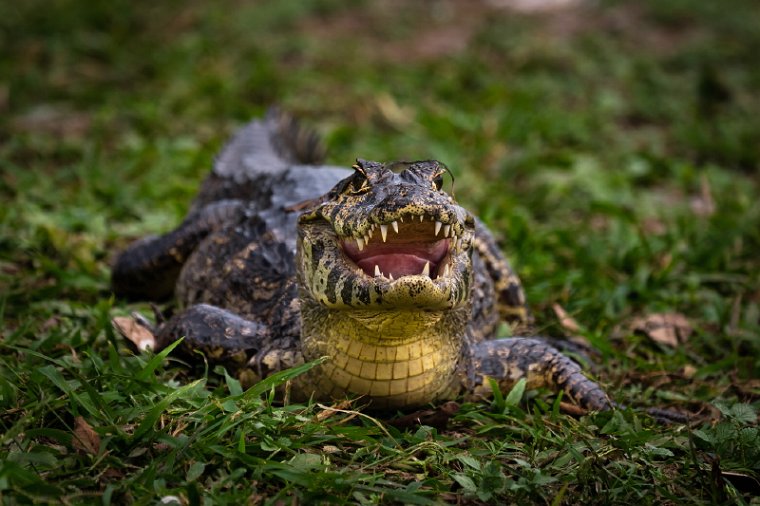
x=378, y=269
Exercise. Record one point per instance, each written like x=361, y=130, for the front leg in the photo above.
x=228, y=339
x=508, y=360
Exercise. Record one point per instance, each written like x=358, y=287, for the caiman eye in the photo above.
x=358, y=183
x=438, y=182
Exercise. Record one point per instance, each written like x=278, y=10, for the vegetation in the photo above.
x=615, y=148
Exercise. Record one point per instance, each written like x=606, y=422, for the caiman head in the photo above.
x=384, y=268
x=387, y=239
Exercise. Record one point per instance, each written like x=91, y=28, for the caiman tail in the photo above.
x=256, y=157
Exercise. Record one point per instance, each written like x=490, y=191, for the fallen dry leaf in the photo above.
x=111, y=474
x=85, y=439
x=570, y=326
x=669, y=329
x=689, y=371
x=572, y=409
x=53, y=120
x=50, y=324
x=567, y=321
x=128, y=327
x=536, y=6
x=703, y=205
x=394, y=114
x=335, y=408
x=437, y=417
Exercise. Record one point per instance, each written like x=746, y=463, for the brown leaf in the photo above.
x=703, y=205
x=85, y=439
x=437, y=417
x=669, y=329
x=138, y=335
x=654, y=226
x=335, y=408
x=394, y=114
x=572, y=409
x=567, y=321
x=571, y=327
x=689, y=371
x=111, y=474
x=53, y=120
x=4, y=94
x=50, y=323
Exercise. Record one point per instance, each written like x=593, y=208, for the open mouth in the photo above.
x=412, y=245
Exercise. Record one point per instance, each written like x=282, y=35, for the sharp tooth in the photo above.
x=422, y=217
x=394, y=224
x=426, y=269
x=377, y=271
x=384, y=231
x=360, y=243
x=438, y=226
x=401, y=219
x=390, y=276
x=446, y=270
x=366, y=238
x=446, y=229
x=370, y=231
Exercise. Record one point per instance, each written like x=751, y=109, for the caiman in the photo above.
x=282, y=260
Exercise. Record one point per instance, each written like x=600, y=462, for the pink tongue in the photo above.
x=399, y=258
x=395, y=264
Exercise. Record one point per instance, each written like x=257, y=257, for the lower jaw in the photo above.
x=391, y=370
x=328, y=382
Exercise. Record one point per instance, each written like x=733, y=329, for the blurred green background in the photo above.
x=612, y=146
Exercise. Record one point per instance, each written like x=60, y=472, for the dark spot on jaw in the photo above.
x=346, y=293
x=317, y=251
x=332, y=282
x=363, y=294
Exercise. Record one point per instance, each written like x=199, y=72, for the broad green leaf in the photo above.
x=232, y=384
x=156, y=360
x=281, y=377
x=195, y=471
x=516, y=394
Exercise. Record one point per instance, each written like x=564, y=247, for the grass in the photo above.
x=614, y=149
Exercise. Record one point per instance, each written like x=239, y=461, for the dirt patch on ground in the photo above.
x=401, y=32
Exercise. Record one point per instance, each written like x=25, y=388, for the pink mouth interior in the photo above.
x=403, y=254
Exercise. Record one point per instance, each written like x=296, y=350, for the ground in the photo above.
x=613, y=146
